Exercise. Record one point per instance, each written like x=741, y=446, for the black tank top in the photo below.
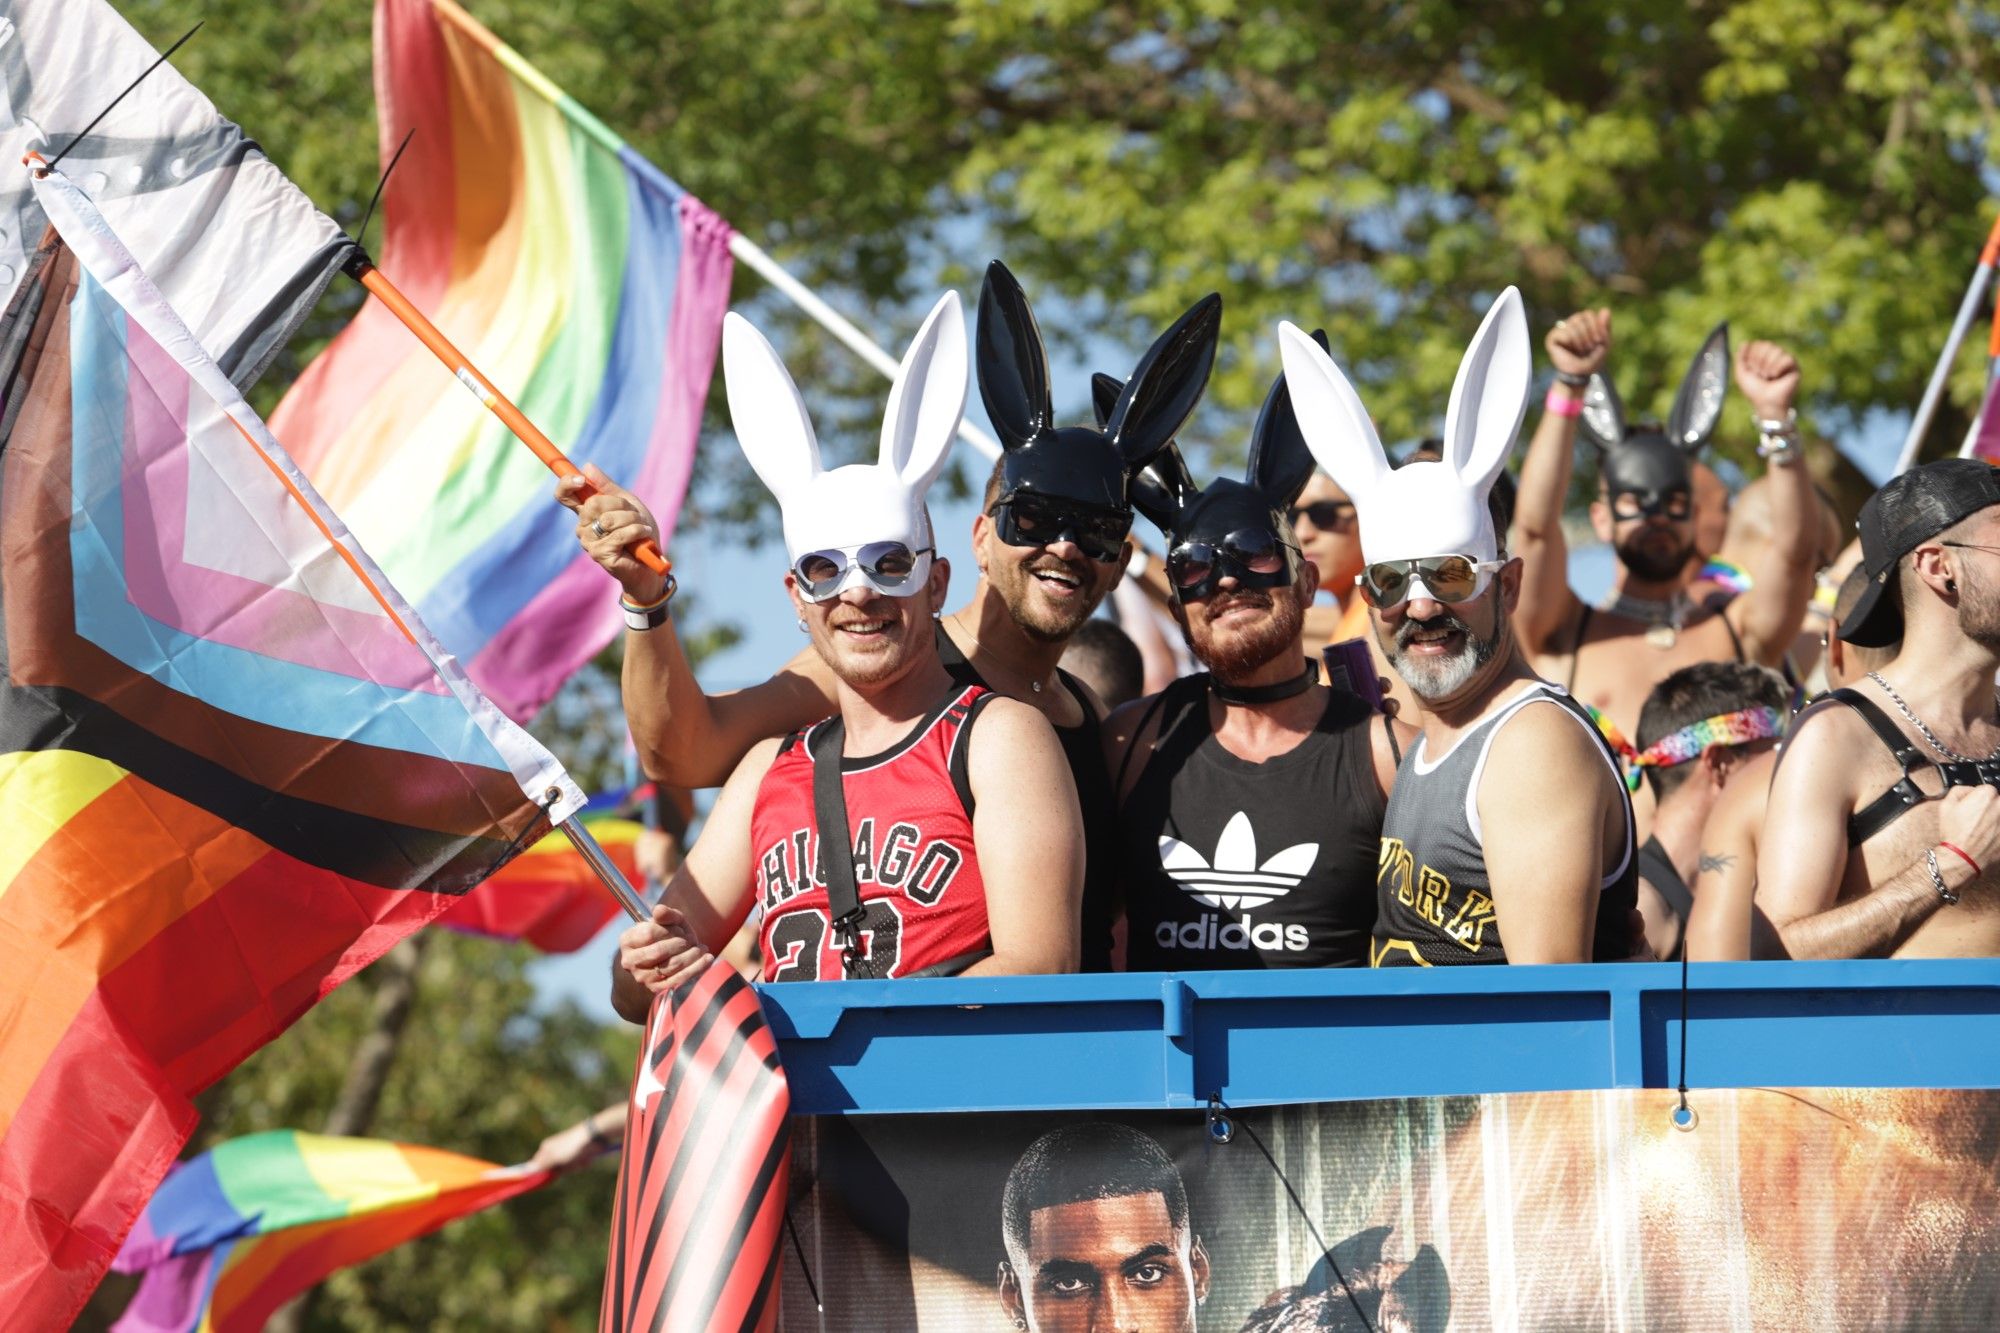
x=1229, y=863
x=1083, y=746
x=1434, y=902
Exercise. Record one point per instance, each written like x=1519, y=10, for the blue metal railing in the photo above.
x=1146, y=1040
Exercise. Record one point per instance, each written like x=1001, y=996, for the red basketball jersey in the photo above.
x=909, y=811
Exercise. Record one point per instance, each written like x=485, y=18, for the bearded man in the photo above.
x=1508, y=836
x=1610, y=656
x=1250, y=797
x=1050, y=543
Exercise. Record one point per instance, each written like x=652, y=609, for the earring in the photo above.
x=802, y=626
x=1020, y=1322
x=1951, y=585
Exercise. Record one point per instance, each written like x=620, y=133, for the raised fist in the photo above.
x=1579, y=345
x=1769, y=378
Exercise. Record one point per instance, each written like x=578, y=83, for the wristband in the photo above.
x=1937, y=877
x=653, y=614
x=1562, y=404
x=1573, y=381
x=1961, y=854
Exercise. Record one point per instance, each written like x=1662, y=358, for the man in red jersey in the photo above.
x=965, y=846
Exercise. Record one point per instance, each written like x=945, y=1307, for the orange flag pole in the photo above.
x=362, y=270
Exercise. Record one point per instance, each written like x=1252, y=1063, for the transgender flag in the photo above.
x=583, y=282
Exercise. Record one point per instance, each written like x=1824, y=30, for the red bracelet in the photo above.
x=1561, y=403
x=1959, y=852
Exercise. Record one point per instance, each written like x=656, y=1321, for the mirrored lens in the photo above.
x=889, y=562
x=1386, y=584
x=820, y=570
x=1449, y=578
x=1257, y=551
x=1189, y=565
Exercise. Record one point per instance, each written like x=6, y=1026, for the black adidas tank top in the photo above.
x=1083, y=747
x=1230, y=863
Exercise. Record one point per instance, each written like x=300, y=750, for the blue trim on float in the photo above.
x=1153, y=1040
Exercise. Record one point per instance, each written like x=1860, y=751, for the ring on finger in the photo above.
x=597, y=527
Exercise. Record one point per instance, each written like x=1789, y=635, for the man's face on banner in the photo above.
x=1116, y=1265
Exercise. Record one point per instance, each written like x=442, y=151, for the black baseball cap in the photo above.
x=1908, y=511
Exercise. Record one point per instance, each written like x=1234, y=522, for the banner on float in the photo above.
x=1780, y=1209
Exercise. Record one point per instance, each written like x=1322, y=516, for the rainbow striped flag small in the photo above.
x=548, y=896
x=233, y=1234
x=582, y=281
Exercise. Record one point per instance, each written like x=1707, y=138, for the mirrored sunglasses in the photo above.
x=888, y=567
x=1033, y=520
x=1253, y=557
x=1442, y=578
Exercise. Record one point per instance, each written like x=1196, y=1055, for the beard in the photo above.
x=1652, y=559
x=1443, y=677
x=1979, y=610
x=1238, y=651
x=1040, y=616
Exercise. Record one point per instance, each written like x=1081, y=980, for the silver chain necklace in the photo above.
x=1663, y=620
x=1929, y=736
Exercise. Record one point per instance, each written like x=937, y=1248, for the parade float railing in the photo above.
x=1152, y=1040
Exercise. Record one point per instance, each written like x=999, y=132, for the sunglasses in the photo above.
x=1441, y=578
x=1326, y=515
x=891, y=568
x=1033, y=520
x=1676, y=505
x=1253, y=557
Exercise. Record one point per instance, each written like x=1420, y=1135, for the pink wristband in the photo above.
x=1561, y=403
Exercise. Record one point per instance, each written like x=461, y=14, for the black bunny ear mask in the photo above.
x=1697, y=403
x=1078, y=463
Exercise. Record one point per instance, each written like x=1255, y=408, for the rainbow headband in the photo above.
x=1738, y=728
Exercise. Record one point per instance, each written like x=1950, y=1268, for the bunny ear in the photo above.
x=1104, y=392
x=1162, y=488
x=1013, y=365
x=1167, y=383
x=1603, y=416
x=928, y=397
x=1280, y=463
x=1698, y=404
x=1490, y=394
x=1330, y=415
x=770, y=417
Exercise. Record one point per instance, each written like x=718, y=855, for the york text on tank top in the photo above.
x=909, y=813
x=1233, y=863
x=1434, y=902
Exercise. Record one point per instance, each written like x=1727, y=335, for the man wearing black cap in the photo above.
x=1050, y=545
x=1883, y=831
x=1611, y=655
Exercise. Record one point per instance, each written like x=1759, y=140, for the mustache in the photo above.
x=1050, y=564
x=1409, y=629
x=1247, y=597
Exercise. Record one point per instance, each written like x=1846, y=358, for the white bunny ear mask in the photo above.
x=1426, y=508
x=861, y=503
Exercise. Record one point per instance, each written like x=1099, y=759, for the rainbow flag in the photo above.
x=234, y=765
x=1984, y=439
x=236, y=1232
x=581, y=280
x=548, y=896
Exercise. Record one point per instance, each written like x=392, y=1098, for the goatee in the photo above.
x=1242, y=651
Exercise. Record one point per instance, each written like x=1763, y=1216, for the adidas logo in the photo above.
x=1234, y=881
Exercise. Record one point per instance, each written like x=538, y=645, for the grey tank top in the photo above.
x=1433, y=900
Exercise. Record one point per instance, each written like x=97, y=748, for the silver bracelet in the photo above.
x=1937, y=877
x=1778, y=440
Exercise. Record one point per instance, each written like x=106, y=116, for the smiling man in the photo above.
x=882, y=841
x=1508, y=835
x=1095, y=1220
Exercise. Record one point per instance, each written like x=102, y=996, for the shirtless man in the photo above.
x=1725, y=924
x=1508, y=836
x=935, y=778
x=1050, y=545
x=1700, y=730
x=1644, y=511
x=1883, y=834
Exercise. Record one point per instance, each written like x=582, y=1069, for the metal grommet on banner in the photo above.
x=1220, y=1129
x=1684, y=1117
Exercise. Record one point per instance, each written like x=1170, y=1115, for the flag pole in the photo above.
x=1987, y=406
x=606, y=871
x=363, y=270
x=1982, y=275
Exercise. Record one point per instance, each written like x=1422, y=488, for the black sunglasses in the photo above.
x=1035, y=520
x=1326, y=515
x=1253, y=557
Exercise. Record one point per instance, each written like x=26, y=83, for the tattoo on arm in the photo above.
x=1710, y=861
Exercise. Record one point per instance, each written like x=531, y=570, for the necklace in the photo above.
x=1266, y=694
x=1034, y=685
x=1663, y=619
x=1930, y=737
